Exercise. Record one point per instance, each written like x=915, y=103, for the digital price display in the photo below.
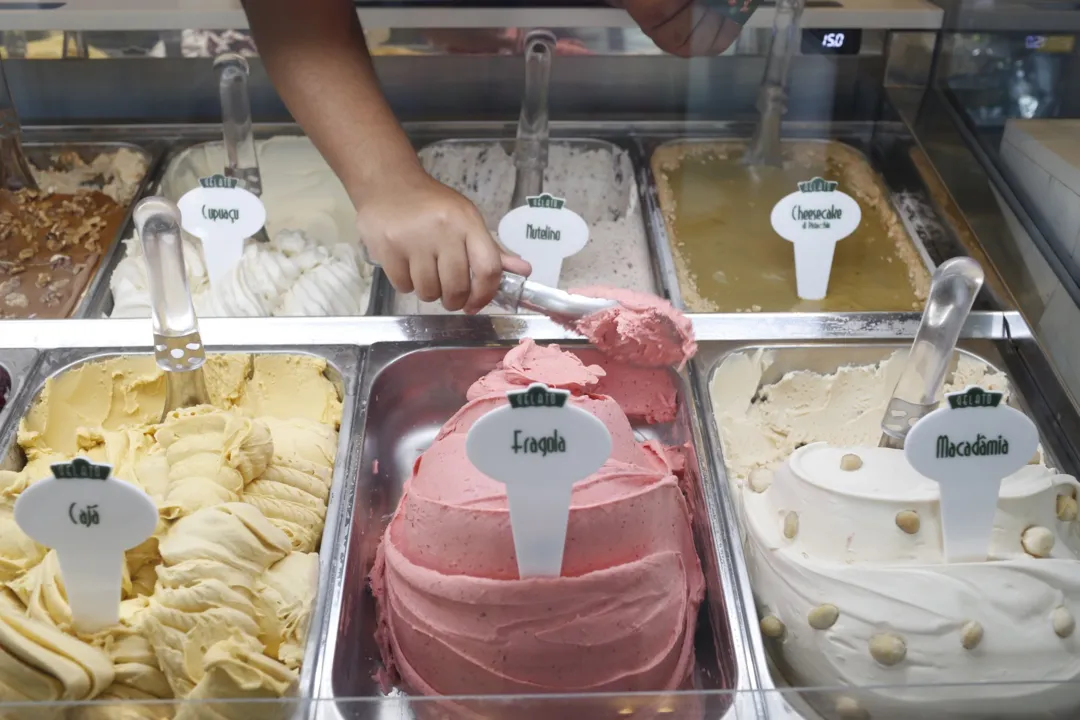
x=820, y=41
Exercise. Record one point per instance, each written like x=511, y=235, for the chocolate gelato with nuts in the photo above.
x=50, y=246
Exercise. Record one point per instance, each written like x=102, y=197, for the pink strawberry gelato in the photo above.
x=641, y=330
x=455, y=619
x=642, y=393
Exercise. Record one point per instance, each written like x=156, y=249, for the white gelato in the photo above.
x=597, y=184
x=312, y=265
x=844, y=551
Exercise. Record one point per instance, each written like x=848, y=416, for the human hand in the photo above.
x=432, y=241
x=686, y=28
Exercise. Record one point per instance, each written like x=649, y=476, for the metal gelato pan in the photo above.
x=598, y=178
x=44, y=155
x=839, y=703
x=402, y=418
x=344, y=366
x=174, y=177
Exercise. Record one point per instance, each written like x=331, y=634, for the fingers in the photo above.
x=424, y=271
x=486, y=266
x=453, y=264
x=515, y=264
x=396, y=267
x=685, y=28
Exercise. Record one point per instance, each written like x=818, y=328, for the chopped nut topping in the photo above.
x=888, y=648
x=1037, y=541
x=772, y=627
x=1062, y=621
x=908, y=521
x=971, y=635
x=823, y=617
x=791, y=525
x=850, y=462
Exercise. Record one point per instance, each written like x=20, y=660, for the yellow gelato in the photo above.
x=219, y=600
x=38, y=662
x=18, y=553
x=211, y=561
x=211, y=455
x=291, y=386
x=294, y=490
x=235, y=668
x=286, y=594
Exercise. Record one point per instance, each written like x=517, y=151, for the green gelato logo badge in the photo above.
x=218, y=181
x=536, y=396
x=818, y=185
x=545, y=200
x=974, y=397
x=81, y=469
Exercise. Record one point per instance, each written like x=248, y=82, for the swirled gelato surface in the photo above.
x=312, y=264
x=455, y=618
x=217, y=603
x=843, y=543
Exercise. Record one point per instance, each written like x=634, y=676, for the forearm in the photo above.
x=320, y=66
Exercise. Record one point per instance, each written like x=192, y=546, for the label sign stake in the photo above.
x=222, y=215
x=90, y=518
x=814, y=219
x=538, y=446
x=545, y=232
x=968, y=447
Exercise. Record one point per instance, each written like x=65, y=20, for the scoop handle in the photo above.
x=531, y=144
x=177, y=344
x=518, y=293
x=953, y=289
x=242, y=162
x=15, y=172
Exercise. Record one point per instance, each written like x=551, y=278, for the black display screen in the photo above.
x=820, y=41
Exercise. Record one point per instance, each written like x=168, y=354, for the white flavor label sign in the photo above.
x=90, y=519
x=968, y=447
x=222, y=215
x=814, y=218
x=545, y=232
x=538, y=445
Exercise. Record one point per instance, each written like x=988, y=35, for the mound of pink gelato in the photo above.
x=641, y=330
x=646, y=394
x=455, y=619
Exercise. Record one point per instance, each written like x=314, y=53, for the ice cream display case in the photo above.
x=334, y=538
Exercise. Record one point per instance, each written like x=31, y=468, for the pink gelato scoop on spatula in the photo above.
x=641, y=329
x=628, y=326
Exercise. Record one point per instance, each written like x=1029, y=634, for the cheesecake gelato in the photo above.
x=312, y=264
x=454, y=618
x=728, y=257
x=597, y=183
x=843, y=546
x=217, y=603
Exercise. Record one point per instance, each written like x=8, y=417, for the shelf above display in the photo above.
x=184, y=14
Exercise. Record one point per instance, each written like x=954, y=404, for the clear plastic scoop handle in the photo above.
x=953, y=289
x=531, y=144
x=241, y=160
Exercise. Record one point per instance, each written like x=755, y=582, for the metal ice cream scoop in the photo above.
x=241, y=160
x=178, y=346
x=517, y=292
x=15, y=173
x=953, y=289
x=765, y=148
